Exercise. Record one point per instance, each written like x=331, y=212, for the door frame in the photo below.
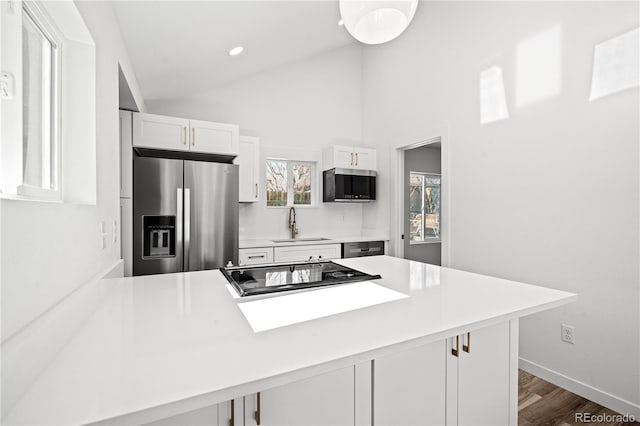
x=398, y=215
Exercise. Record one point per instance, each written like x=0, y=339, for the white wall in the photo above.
x=50, y=249
x=548, y=195
x=295, y=110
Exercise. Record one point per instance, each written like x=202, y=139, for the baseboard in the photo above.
x=589, y=392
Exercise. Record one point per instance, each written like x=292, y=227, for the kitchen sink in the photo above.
x=299, y=240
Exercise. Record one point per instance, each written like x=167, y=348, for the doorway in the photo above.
x=422, y=200
x=422, y=203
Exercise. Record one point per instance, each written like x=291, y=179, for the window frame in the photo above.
x=290, y=197
x=425, y=240
x=45, y=25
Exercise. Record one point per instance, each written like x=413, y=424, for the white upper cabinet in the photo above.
x=181, y=134
x=214, y=138
x=349, y=157
x=161, y=132
x=248, y=161
x=126, y=160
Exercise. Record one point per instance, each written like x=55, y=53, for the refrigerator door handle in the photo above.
x=187, y=227
x=179, y=224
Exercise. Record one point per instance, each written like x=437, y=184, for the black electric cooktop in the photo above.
x=253, y=280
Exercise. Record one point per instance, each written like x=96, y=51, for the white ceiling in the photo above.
x=181, y=47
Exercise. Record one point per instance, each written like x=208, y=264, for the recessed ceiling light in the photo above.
x=340, y=23
x=236, y=51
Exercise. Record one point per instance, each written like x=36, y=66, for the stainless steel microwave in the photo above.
x=348, y=185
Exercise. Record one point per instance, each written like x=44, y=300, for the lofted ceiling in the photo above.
x=181, y=47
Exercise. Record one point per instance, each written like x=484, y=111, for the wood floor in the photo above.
x=540, y=403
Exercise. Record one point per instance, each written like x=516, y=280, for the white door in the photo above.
x=160, y=132
x=214, y=138
x=325, y=400
x=483, y=377
x=409, y=387
x=248, y=162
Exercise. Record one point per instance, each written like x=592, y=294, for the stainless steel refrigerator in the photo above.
x=185, y=215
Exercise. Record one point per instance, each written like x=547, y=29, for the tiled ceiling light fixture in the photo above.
x=377, y=21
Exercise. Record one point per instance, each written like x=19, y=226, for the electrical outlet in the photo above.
x=568, y=333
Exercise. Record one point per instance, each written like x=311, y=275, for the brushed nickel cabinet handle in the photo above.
x=232, y=420
x=184, y=140
x=193, y=136
x=352, y=158
x=467, y=347
x=258, y=410
x=454, y=352
x=356, y=158
x=256, y=190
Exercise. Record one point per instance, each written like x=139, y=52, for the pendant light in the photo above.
x=377, y=21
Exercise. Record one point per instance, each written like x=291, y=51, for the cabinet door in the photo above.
x=409, y=387
x=231, y=413
x=255, y=256
x=248, y=161
x=214, y=138
x=207, y=416
x=160, y=132
x=324, y=400
x=126, y=160
x=126, y=234
x=302, y=253
x=364, y=159
x=343, y=157
x=483, y=377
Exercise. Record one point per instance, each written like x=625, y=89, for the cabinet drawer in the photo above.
x=255, y=256
x=302, y=253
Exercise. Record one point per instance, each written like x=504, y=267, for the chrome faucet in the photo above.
x=292, y=223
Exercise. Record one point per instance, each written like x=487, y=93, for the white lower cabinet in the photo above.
x=481, y=376
x=303, y=253
x=409, y=387
x=324, y=400
x=206, y=416
x=470, y=379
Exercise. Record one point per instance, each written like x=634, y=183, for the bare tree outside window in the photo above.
x=289, y=183
x=276, y=183
x=424, y=206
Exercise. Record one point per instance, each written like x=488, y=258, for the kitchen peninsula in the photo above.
x=165, y=349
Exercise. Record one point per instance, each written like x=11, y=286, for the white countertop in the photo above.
x=263, y=242
x=165, y=344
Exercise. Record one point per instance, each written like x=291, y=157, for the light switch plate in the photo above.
x=7, y=85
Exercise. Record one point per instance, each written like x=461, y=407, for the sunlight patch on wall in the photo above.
x=539, y=67
x=493, y=103
x=616, y=65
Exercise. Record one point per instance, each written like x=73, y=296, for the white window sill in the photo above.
x=32, y=193
x=296, y=206
x=427, y=241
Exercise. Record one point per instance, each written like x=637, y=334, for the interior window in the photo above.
x=39, y=149
x=424, y=207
